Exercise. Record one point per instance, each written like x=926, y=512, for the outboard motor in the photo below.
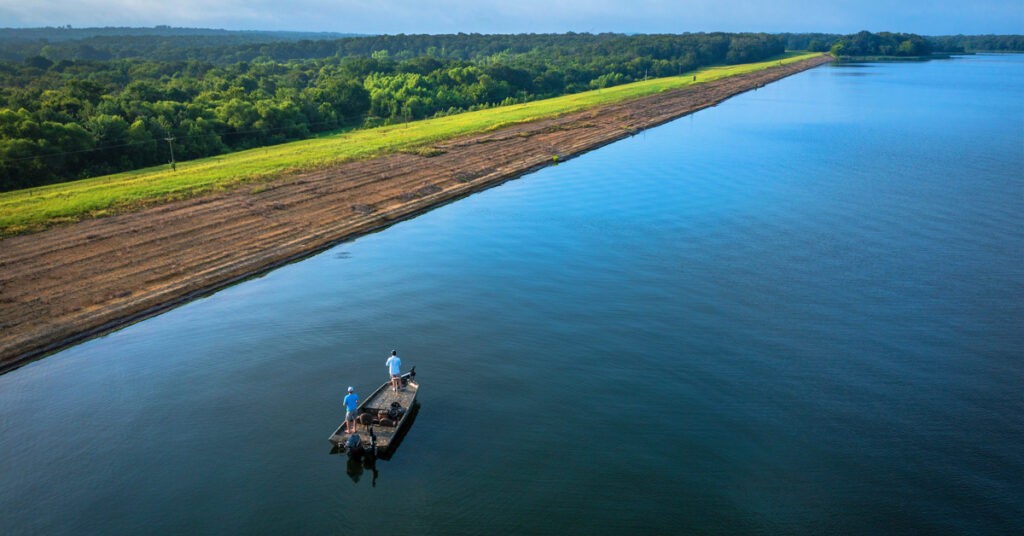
x=354, y=447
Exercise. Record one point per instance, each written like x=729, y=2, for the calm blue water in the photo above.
x=798, y=312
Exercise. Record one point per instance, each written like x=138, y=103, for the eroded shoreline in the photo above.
x=66, y=284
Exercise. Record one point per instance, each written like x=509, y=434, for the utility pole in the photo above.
x=170, y=145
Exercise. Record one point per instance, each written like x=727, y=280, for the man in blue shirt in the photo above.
x=351, y=405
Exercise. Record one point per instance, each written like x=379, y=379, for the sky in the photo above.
x=926, y=17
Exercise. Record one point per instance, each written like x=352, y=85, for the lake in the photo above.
x=798, y=312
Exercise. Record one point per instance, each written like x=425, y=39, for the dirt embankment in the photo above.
x=65, y=284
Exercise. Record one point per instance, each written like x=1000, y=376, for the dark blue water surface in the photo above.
x=798, y=312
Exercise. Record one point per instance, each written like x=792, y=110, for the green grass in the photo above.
x=34, y=209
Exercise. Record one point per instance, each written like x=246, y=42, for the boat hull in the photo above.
x=381, y=438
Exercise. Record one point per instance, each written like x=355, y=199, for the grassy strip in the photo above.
x=34, y=209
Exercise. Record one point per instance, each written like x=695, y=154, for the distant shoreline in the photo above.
x=875, y=59
x=67, y=284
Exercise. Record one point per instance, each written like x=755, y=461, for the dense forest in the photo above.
x=71, y=118
x=912, y=45
x=882, y=44
x=221, y=47
x=157, y=43
x=955, y=44
x=76, y=103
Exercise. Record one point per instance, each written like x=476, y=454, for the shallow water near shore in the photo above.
x=798, y=312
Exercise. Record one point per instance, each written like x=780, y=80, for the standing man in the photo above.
x=395, y=368
x=351, y=406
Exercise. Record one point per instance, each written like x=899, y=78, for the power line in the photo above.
x=62, y=153
x=170, y=145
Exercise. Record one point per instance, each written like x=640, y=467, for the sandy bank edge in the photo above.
x=74, y=318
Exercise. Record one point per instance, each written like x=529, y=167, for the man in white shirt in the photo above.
x=395, y=368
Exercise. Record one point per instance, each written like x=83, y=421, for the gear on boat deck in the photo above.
x=387, y=410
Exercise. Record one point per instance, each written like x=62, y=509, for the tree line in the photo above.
x=955, y=44
x=106, y=43
x=882, y=44
x=164, y=43
x=79, y=103
x=912, y=45
x=72, y=118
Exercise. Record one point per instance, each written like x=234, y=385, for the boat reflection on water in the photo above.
x=357, y=466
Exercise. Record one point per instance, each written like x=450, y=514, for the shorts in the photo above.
x=350, y=415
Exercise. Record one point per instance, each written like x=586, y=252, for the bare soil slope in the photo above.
x=65, y=284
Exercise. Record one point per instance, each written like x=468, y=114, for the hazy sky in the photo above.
x=932, y=17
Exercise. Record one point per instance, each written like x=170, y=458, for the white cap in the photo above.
x=350, y=389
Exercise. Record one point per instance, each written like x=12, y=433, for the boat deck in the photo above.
x=381, y=399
